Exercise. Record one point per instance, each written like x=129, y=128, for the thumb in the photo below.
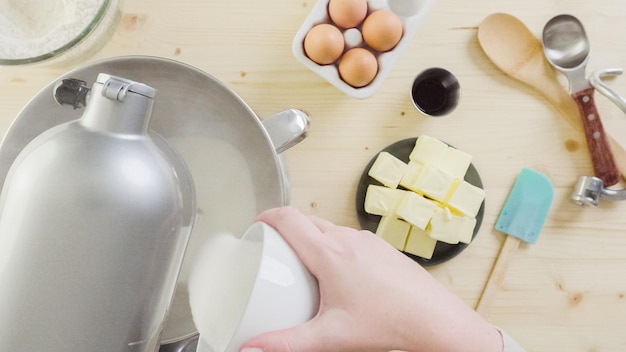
x=307, y=337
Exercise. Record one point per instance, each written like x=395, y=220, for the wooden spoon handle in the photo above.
x=602, y=158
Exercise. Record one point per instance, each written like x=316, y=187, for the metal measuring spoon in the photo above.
x=566, y=47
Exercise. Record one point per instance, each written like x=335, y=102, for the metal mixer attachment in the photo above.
x=589, y=189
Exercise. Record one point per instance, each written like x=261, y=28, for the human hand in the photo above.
x=372, y=297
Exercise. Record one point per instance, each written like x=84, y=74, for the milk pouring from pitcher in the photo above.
x=93, y=228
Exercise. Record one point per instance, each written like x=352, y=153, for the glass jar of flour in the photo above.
x=57, y=31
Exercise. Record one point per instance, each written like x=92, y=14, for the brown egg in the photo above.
x=347, y=13
x=324, y=44
x=382, y=30
x=358, y=67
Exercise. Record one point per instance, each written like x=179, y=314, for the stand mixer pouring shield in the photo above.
x=96, y=215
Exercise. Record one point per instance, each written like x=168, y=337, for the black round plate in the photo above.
x=443, y=251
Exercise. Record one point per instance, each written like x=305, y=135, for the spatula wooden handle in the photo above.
x=498, y=272
x=604, y=165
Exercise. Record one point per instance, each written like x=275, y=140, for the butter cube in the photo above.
x=455, y=162
x=380, y=200
x=467, y=199
x=420, y=243
x=446, y=227
x=467, y=230
x=434, y=182
x=387, y=169
x=416, y=209
x=427, y=150
x=410, y=175
x=394, y=231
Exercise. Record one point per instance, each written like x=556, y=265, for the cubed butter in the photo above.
x=416, y=209
x=409, y=178
x=380, y=200
x=420, y=243
x=446, y=227
x=427, y=150
x=434, y=182
x=455, y=162
x=387, y=169
x=394, y=231
x=467, y=198
x=434, y=204
x=467, y=231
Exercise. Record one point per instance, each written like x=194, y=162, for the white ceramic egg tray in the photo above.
x=411, y=14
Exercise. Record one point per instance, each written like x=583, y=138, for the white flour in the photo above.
x=225, y=193
x=226, y=203
x=30, y=28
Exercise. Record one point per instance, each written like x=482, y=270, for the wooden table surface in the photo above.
x=567, y=292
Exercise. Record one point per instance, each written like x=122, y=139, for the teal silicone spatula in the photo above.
x=522, y=218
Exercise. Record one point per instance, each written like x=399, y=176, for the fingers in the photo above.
x=304, y=236
x=322, y=224
x=317, y=335
x=328, y=227
x=297, y=339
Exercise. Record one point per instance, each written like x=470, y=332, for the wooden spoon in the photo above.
x=513, y=48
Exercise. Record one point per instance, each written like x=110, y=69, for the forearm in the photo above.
x=457, y=328
x=444, y=321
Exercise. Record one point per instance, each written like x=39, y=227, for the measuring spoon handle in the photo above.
x=604, y=164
